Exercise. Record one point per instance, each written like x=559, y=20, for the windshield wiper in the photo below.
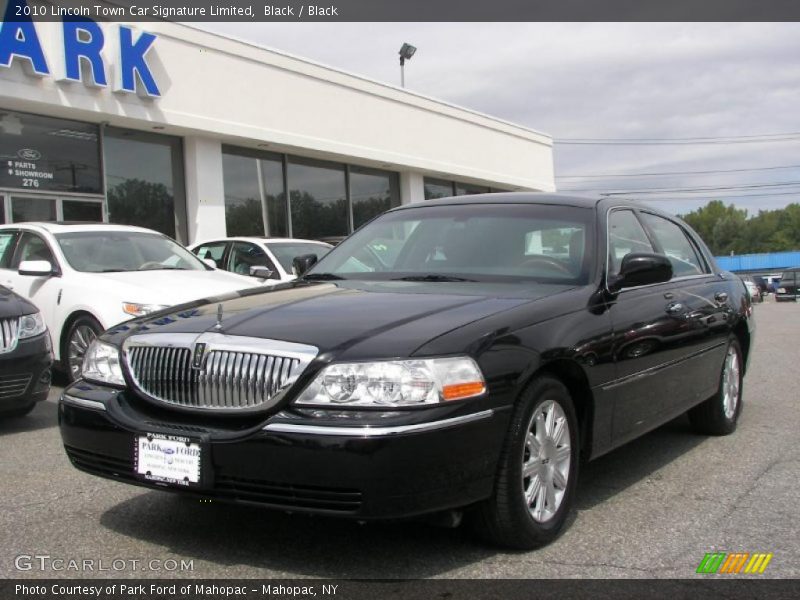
x=321, y=277
x=164, y=268
x=433, y=277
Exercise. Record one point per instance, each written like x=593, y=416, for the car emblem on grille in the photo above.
x=218, y=326
x=197, y=356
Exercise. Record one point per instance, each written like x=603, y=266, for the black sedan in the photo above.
x=25, y=355
x=459, y=356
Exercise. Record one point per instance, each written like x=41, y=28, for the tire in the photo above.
x=509, y=518
x=719, y=414
x=80, y=334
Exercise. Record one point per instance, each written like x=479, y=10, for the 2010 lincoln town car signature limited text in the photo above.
x=464, y=354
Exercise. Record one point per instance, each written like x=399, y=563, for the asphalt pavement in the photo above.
x=652, y=508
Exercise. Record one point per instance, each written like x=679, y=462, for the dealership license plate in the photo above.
x=168, y=459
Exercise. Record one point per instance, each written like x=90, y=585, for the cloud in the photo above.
x=595, y=80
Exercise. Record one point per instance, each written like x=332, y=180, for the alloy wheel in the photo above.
x=546, y=461
x=82, y=337
x=731, y=381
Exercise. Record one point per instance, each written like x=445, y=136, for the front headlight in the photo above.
x=101, y=364
x=140, y=310
x=31, y=325
x=395, y=383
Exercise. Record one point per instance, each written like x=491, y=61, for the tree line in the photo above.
x=727, y=229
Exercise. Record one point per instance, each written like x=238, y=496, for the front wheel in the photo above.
x=719, y=414
x=83, y=331
x=537, y=471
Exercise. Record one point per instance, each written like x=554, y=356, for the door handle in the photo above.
x=674, y=308
x=721, y=297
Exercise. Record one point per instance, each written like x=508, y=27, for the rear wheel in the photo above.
x=83, y=331
x=719, y=414
x=537, y=472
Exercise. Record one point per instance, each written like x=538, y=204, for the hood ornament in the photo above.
x=218, y=326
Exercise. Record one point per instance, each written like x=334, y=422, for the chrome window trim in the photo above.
x=366, y=431
x=82, y=402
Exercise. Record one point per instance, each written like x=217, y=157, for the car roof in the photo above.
x=73, y=226
x=516, y=198
x=260, y=239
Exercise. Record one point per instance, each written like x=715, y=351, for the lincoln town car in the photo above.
x=459, y=357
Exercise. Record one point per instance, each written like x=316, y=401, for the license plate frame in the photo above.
x=171, y=460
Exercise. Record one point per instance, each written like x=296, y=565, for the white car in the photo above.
x=753, y=290
x=252, y=255
x=87, y=278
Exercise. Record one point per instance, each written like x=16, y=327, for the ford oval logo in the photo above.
x=29, y=154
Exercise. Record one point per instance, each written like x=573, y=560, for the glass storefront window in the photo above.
x=243, y=212
x=80, y=210
x=372, y=192
x=318, y=199
x=254, y=180
x=465, y=189
x=275, y=191
x=144, y=181
x=44, y=154
x=33, y=209
x=438, y=188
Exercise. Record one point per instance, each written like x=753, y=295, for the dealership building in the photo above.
x=198, y=135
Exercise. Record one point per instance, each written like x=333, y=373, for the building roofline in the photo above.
x=364, y=78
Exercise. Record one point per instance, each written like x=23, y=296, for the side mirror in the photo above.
x=641, y=269
x=35, y=268
x=210, y=262
x=303, y=263
x=260, y=272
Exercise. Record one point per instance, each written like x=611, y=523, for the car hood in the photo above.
x=170, y=287
x=12, y=305
x=349, y=320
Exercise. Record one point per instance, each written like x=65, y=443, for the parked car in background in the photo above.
x=85, y=278
x=459, y=355
x=789, y=286
x=762, y=285
x=752, y=288
x=255, y=256
x=25, y=355
x=772, y=282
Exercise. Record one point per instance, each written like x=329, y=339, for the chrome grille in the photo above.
x=9, y=330
x=233, y=373
x=12, y=386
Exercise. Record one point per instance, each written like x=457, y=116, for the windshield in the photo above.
x=115, y=251
x=476, y=242
x=287, y=252
x=788, y=277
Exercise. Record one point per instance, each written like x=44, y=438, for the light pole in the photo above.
x=406, y=52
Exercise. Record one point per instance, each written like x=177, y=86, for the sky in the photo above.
x=654, y=81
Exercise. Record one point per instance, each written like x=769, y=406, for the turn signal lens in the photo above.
x=463, y=390
x=395, y=383
x=140, y=310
